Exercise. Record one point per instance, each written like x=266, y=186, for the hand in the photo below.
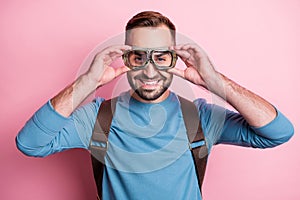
x=257, y=111
x=200, y=70
x=100, y=70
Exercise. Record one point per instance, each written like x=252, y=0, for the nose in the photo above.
x=150, y=71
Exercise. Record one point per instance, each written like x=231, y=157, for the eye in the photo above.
x=138, y=58
x=161, y=59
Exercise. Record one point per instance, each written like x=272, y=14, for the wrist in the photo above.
x=91, y=82
x=216, y=84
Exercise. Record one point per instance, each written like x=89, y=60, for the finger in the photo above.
x=124, y=48
x=183, y=53
x=184, y=50
x=177, y=72
x=121, y=70
x=179, y=46
x=190, y=47
x=195, y=48
x=186, y=46
x=115, y=55
x=116, y=49
x=120, y=47
x=114, y=52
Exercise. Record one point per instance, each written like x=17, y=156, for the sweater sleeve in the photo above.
x=222, y=126
x=48, y=132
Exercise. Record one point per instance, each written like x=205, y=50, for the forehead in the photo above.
x=150, y=37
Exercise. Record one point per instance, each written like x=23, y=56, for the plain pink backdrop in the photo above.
x=43, y=44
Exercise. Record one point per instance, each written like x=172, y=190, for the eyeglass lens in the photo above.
x=139, y=58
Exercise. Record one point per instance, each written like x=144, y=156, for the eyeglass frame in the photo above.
x=149, y=52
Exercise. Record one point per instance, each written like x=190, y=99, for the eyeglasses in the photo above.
x=138, y=58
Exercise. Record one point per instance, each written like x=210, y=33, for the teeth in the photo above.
x=150, y=82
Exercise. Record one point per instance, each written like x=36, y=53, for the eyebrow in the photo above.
x=139, y=52
x=161, y=53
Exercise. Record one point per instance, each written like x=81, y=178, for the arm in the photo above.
x=48, y=132
x=222, y=126
x=98, y=74
x=58, y=125
x=200, y=71
x=254, y=110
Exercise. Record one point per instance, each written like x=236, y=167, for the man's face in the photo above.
x=150, y=84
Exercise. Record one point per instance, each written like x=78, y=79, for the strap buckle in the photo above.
x=196, y=144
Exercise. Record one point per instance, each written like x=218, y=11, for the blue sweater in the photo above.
x=148, y=154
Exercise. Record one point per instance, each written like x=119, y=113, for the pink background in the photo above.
x=43, y=43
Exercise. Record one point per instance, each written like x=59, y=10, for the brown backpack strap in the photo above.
x=196, y=137
x=102, y=127
x=100, y=135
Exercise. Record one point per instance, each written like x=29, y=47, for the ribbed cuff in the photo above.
x=49, y=119
x=278, y=128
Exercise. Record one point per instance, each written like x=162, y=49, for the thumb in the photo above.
x=121, y=70
x=177, y=72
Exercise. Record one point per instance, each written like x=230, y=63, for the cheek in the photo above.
x=168, y=75
x=131, y=74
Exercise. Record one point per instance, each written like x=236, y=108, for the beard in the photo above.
x=150, y=94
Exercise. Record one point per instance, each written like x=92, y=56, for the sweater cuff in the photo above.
x=278, y=128
x=50, y=120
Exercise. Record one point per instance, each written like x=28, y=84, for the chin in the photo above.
x=150, y=95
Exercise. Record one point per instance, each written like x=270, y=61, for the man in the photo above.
x=148, y=153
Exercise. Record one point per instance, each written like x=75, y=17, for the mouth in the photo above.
x=149, y=84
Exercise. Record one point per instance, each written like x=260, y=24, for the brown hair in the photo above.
x=150, y=19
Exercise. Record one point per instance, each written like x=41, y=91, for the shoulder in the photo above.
x=89, y=108
x=212, y=118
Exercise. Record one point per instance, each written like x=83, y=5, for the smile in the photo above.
x=149, y=82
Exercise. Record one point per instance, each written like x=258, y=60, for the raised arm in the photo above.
x=99, y=73
x=200, y=71
x=58, y=125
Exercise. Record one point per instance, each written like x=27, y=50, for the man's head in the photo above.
x=150, y=30
x=149, y=19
